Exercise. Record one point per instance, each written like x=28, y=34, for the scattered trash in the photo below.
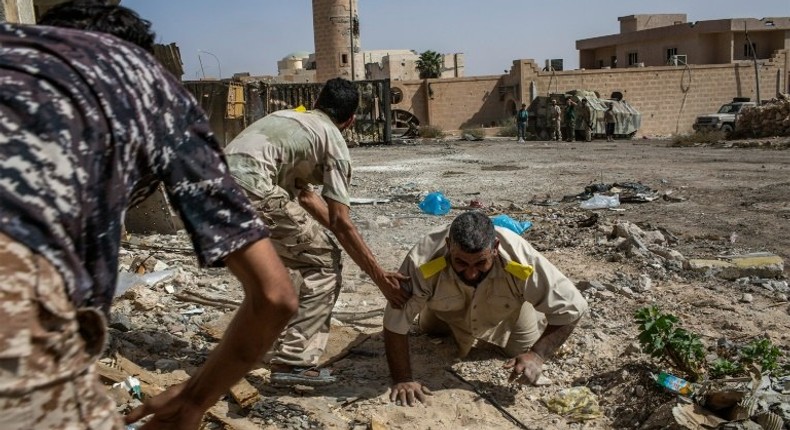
x=196, y=311
x=132, y=385
x=600, y=201
x=128, y=280
x=476, y=203
x=575, y=404
x=505, y=221
x=367, y=201
x=674, y=384
x=435, y=204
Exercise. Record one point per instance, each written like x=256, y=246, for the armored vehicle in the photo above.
x=628, y=118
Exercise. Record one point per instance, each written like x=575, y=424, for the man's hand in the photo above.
x=407, y=393
x=390, y=285
x=171, y=410
x=526, y=368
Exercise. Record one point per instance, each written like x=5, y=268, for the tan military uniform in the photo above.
x=556, y=121
x=273, y=159
x=48, y=377
x=501, y=310
x=586, y=120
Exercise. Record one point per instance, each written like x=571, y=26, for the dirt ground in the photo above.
x=720, y=201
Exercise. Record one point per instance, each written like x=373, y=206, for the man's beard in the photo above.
x=473, y=284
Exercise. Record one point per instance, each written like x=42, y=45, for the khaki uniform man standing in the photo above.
x=277, y=160
x=555, y=114
x=487, y=287
x=586, y=117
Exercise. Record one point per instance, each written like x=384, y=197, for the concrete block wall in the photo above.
x=670, y=98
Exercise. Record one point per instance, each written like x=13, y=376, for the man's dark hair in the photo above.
x=473, y=232
x=95, y=15
x=339, y=99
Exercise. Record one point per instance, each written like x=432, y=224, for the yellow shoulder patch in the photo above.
x=433, y=267
x=520, y=271
x=300, y=108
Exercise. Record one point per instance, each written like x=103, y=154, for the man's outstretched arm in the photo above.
x=528, y=366
x=404, y=387
x=269, y=302
x=337, y=218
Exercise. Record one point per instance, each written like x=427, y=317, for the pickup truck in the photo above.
x=725, y=118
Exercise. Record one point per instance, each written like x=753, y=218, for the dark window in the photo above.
x=614, y=61
x=747, y=52
x=671, y=52
x=344, y=59
x=633, y=58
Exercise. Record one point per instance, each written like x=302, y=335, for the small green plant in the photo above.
x=723, y=367
x=431, y=132
x=699, y=138
x=661, y=338
x=507, y=128
x=762, y=352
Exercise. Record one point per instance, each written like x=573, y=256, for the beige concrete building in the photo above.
x=668, y=39
x=297, y=67
x=401, y=65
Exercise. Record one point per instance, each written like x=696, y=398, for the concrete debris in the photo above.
x=764, y=265
x=770, y=119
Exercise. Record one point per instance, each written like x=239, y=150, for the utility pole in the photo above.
x=754, y=59
x=351, y=35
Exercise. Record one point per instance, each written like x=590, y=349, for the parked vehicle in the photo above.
x=726, y=118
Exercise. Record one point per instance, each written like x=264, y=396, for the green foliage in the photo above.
x=661, y=338
x=430, y=65
x=762, y=352
x=431, y=132
x=508, y=128
x=699, y=138
x=723, y=367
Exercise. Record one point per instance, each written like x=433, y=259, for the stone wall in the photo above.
x=669, y=98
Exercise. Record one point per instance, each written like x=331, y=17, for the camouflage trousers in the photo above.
x=518, y=338
x=314, y=262
x=48, y=377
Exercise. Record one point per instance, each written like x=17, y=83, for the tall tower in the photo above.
x=336, y=33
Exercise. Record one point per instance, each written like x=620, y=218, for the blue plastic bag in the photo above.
x=435, y=204
x=505, y=221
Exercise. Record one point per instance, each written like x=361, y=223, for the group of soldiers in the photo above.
x=583, y=119
x=91, y=124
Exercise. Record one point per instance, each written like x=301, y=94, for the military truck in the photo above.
x=726, y=118
x=628, y=118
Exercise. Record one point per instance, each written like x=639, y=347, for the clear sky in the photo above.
x=252, y=35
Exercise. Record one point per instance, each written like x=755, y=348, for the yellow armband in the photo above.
x=520, y=271
x=433, y=267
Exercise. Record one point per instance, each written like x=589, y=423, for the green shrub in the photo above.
x=661, y=338
x=431, y=132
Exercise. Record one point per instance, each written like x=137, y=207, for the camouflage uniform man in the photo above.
x=586, y=119
x=89, y=125
x=570, y=119
x=278, y=160
x=555, y=114
x=485, y=286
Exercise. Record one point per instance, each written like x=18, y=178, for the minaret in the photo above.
x=336, y=33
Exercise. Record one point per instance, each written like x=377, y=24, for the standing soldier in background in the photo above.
x=555, y=114
x=570, y=119
x=586, y=119
x=610, y=121
x=521, y=121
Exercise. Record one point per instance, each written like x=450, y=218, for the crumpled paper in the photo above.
x=575, y=404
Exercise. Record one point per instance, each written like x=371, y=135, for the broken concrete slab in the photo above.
x=763, y=264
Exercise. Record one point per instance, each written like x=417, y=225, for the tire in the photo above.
x=726, y=128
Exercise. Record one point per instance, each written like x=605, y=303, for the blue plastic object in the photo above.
x=505, y=221
x=435, y=204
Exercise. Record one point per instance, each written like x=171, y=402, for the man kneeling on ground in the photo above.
x=487, y=287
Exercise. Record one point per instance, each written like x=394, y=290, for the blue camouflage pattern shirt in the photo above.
x=90, y=125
